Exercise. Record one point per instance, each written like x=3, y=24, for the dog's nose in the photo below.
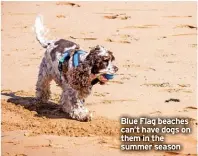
x=115, y=68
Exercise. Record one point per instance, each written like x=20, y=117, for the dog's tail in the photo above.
x=40, y=31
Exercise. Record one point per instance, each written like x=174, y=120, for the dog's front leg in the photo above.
x=72, y=105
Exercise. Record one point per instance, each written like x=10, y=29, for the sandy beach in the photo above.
x=154, y=44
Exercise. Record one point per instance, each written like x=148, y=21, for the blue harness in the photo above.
x=76, y=57
x=66, y=57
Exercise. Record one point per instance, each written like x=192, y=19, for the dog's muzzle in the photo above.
x=102, y=78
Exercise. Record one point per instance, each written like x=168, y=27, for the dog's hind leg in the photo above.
x=72, y=105
x=43, y=82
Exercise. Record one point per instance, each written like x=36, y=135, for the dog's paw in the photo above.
x=82, y=115
x=88, y=117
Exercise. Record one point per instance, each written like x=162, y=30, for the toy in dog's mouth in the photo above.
x=106, y=77
x=102, y=79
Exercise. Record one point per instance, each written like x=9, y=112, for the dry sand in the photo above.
x=155, y=48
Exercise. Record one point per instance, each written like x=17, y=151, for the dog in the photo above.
x=77, y=81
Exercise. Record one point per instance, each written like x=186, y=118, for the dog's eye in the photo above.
x=106, y=62
x=106, y=58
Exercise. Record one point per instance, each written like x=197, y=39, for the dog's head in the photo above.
x=101, y=61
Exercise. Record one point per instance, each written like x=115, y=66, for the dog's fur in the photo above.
x=76, y=82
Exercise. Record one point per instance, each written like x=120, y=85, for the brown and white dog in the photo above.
x=76, y=82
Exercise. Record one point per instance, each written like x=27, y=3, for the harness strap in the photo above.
x=66, y=57
x=76, y=57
